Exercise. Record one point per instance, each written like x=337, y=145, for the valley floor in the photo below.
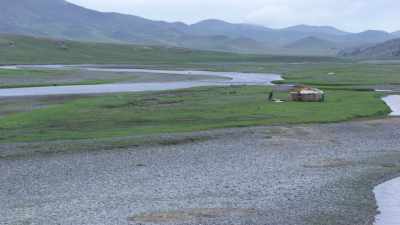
x=113, y=159
x=300, y=174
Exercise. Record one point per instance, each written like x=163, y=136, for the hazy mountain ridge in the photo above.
x=397, y=34
x=328, y=30
x=388, y=49
x=60, y=19
x=312, y=43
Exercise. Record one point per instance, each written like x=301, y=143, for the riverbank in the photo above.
x=204, y=108
x=300, y=174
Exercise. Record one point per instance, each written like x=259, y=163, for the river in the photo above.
x=387, y=194
x=235, y=78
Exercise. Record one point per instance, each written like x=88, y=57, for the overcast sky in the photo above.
x=349, y=15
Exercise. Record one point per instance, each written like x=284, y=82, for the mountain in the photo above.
x=397, y=34
x=313, y=46
x=388, y=49
x=19, y=49
x=58, y=18
x=327, y=30
x=63, y=20
x=219, y=27
x=271, y=37
x=312, y=43
x=223, y=43
x=370, y=36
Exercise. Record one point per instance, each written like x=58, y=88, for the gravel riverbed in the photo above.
x=278, y=175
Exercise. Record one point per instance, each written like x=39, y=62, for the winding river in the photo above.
x=235, y=78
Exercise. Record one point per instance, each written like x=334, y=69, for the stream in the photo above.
x=235, y=78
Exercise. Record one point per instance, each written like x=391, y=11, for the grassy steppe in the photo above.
x=180, y=111
x=344, y=74
x=28, y=50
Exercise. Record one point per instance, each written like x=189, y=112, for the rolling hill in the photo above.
x=313, y=44
x=388, y=49
x=18, y=49
x=397, y=34
x=63, y=20
x=60, y=19
x=324, y=30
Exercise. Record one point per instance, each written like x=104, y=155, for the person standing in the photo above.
x=271, y=96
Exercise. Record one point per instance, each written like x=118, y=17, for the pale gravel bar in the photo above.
x=277, y=175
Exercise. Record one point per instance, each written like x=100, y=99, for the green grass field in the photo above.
x=28, y=50
x=119, y=115
x=180, y=111
x=347, y=74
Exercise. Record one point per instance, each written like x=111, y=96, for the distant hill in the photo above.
x=219, y=27
x=60, y=19
x=63, y=20
x=223, y=43
x=397, y=34
x=369, y=36
x=312, y=43
x=17, y=49
x=327, y=30
x=388, y=49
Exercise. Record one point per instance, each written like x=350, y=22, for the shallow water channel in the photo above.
x=234, y=78
x=388, y=194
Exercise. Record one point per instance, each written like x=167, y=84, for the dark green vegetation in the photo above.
x=60, y=19
x=343, y=75
x=28, y=50
x=10, y=106
x=180, y=111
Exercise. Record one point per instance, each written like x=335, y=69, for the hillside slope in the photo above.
x=61, y=19
x=388, y=49
x=17, y=49
x=313, y=44
x=58, y=18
